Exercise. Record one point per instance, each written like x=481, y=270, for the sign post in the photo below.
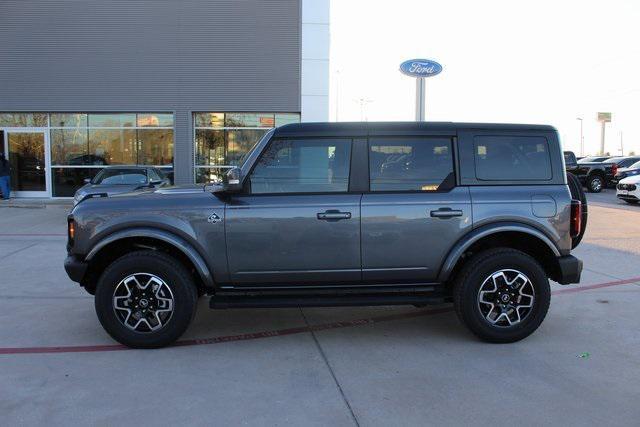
x=603, y=118
x=420, y=69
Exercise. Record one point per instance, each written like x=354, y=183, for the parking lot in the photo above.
x=329, y=366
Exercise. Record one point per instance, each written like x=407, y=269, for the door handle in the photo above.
x=446, y=213
x=333, y=215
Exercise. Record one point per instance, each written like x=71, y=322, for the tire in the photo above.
x=164, y=278
x=577, y=193
x=631, y=202
x=595, y=183
x=475, y=277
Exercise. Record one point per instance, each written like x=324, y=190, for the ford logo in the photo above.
x=420, y=68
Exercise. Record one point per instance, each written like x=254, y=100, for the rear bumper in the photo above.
x=75, y=268
x=570, y=269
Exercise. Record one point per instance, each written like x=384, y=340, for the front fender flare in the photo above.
x=469, y=239
x=176, y=241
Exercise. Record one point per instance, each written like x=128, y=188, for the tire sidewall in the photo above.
x=591, y=180
x=176, y=278
x=469, y=297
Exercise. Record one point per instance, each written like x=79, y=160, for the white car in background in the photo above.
x=628, y=189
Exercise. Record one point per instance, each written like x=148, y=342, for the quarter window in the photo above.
x=512, y=158
x=412, y=164
x=303, y=166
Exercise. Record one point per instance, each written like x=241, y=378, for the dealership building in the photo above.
x=185, y=85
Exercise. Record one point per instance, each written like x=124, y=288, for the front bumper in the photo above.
x=570, y=269
x=75, y=268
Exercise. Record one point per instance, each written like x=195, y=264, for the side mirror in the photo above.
x=154, y=183
x=87, y=180
x=232, y=181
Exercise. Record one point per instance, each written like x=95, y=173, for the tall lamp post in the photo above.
x=581, y=137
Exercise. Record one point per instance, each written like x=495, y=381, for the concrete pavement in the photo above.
x=361, y=366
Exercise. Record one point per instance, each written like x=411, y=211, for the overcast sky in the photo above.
x=504, y=61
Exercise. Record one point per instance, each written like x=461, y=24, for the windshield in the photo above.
x=636, y=165
x=121, y=177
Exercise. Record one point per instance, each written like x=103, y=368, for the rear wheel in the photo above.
x=145, y=299
x=502, y=295
x=595, y=183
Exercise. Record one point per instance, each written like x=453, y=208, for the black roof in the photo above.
x=367, y=128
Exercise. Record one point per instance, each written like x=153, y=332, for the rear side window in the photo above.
x=512, y=158
x=303, y=166
x=410, y=164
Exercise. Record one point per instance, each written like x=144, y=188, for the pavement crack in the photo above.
x=19, y=250
x=333, y=375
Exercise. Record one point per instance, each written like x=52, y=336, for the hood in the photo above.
x=109, y=190
x=635, y=179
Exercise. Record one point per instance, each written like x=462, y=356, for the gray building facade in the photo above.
x=187, y=84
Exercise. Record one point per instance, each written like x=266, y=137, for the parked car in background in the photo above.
x=629, y=189
x=632, y=170
x=593, y=159
x=570, y=161
x=120, y=179
x=598, y=175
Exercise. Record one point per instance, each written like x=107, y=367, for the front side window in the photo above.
x=303, y=166
x=512, y=158
x=410, y=164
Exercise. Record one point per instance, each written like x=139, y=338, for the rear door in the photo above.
x=296, y=223
x=413, y=213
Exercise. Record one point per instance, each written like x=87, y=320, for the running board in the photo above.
x=233, y=301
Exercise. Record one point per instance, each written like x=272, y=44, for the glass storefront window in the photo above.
x=221, y=139
x=154, y=120
x=112, y=120
x=155, y=146
x=113, y=146
x=69, y=120
x=69, y=147
x=24, y=120
x=67, y=180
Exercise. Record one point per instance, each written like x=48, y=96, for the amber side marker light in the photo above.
x=71, y=229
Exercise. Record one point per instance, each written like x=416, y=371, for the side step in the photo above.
x=234, y=301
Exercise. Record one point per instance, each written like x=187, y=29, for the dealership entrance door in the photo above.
x=27, y=150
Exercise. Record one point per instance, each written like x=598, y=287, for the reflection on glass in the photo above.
x=209, y=147
x=250, y=120
x=155, y=120
x=239, y=142
x=26, y=155
x=67, y=180
x=155, y=146
x=209, y=120
x=112, y=120
x=23, y=119
x=286, y=118
x=112, y=146
x=69, y=147
x=70, y=120
x=210, y=175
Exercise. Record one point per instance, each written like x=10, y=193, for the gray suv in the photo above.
x=342, y=214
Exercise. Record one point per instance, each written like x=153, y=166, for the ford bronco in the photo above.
x=342, y=214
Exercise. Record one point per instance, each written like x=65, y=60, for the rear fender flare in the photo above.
x=474, y=236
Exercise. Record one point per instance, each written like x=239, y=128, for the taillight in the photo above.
x=576, y=217
x=614, y=169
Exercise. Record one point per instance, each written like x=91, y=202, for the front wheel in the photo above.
x=595, y=183
x=502, y=295
x=145, y=299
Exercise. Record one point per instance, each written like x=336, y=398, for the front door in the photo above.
x=27, y=155
x=413, y=214
x=296, y=222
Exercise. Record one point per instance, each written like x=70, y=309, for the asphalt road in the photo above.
x=335, y=366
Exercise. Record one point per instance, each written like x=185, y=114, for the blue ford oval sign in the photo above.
x=420, y=68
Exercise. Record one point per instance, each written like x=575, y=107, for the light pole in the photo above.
x=581, y=137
